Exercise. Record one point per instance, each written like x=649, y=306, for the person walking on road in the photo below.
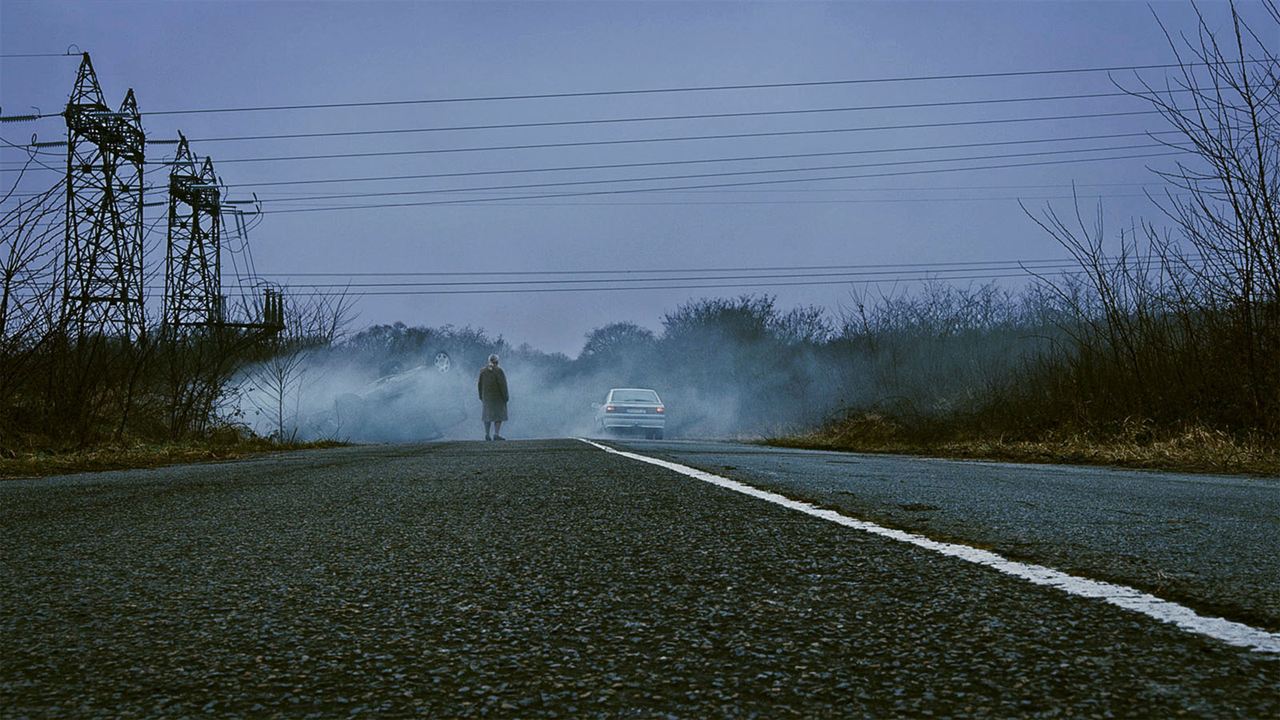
x=494, y=397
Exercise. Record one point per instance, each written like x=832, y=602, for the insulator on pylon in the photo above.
x=273, y=310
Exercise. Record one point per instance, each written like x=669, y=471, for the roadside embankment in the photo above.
x=1131, y=445
x=45, y=461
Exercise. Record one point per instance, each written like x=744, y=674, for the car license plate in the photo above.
x=636, y=412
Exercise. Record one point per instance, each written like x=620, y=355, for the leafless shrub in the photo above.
x=29, y=235
x=274, y=385
x=938, y=350
x=1183, y=325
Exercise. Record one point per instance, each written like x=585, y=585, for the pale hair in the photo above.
x=493, y=359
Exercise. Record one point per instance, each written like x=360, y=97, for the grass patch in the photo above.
x=41, y=462
x=1131, y=445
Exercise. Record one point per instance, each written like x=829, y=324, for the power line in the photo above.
x=648, y=91
x=788, y=156
x=696, y=188
x=909, y=267
x=69, y=53
x=336, y=290
x=889, y=274
x=880, y=201
x=493, y=291
x=727, y=136
x=603, y=121
x=905, y=267
x=716, y=185
x=806, y=191
x=683, y=89
x=904, y=188
x=940, y=269
x=687, y=176
x=652, y=118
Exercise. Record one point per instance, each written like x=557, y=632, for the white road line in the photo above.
x=1232, y=633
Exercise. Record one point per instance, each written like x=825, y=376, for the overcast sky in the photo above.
x=198, y=55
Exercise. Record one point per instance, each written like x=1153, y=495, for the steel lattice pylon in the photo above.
x=103, y=290
x=193, y=265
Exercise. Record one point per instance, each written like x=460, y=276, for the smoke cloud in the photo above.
x=724, y=368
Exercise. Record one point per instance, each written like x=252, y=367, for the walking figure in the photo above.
x=494, y=396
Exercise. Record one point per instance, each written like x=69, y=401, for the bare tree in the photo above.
x=29, y=235
x=1225, y=104
x=275, y=385
x=1184, y=324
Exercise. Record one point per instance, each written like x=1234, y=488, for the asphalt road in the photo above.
x=1210, y=542
x=542, y=579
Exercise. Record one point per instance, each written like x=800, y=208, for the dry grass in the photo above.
x=44, y=462
x=1133, y=445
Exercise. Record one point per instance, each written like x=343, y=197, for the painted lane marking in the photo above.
x=1231, y=633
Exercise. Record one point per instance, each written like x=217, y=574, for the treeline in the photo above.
x=724, y=366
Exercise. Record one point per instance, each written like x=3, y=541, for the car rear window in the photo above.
x=641, y=396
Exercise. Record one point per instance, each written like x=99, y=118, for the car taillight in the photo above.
x=609, y=408
x=660, y=409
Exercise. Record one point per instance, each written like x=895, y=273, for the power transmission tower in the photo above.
x=103, y=291
x=193, y=254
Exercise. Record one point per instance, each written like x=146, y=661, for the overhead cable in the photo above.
x=467, y=201
x=615, y=284
x=889, y=274
x=688, y=176
x=501, y=202
x=695, y=286
x=683, y=89
x=651, y=118
x=967, y=265
x=727, y=136
x=1032, y=141
x=748, y=158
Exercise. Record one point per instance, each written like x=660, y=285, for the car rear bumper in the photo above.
x=635, y=421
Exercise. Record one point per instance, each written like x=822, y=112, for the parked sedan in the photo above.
x=632, y=409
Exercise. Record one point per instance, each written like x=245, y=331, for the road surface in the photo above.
x=1212, y=542
x=555, y=579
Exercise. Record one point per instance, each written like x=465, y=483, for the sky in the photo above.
x=915, y=207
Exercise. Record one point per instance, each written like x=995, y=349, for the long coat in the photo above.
x=493, y=393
